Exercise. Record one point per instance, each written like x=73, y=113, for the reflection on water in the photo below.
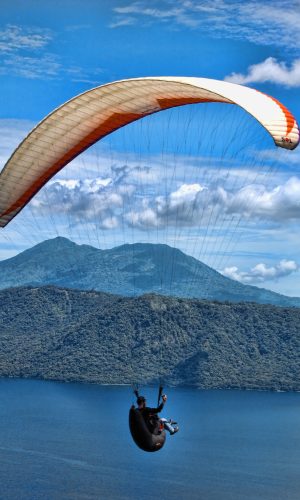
x=71, y=441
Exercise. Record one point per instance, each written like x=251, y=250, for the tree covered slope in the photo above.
x=71, y=335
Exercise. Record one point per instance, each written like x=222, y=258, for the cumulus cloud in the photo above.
x=278, y=204
x=269, y=70
x=178, y=208
x=106, y=201
x=91, y=200
x=197, y=205
x=261, y=272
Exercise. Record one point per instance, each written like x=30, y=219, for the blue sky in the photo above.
x=52, y=51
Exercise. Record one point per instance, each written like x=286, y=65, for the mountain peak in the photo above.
x=57, y=242
x=130, y=269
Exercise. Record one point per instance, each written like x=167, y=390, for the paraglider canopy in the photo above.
x=82, y=121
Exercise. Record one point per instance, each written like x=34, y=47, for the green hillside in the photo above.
x=61, y=334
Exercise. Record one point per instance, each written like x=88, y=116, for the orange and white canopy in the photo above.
x=82, y=121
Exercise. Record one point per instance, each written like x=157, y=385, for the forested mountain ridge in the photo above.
x=128, y=270
x=62, y=334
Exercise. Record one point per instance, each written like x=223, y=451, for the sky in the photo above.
x=159, y=180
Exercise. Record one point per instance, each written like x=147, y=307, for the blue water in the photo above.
x=71, y=441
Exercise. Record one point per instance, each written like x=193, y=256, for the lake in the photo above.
x=71, y=441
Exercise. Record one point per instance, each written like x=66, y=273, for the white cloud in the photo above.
x=280, y=155
x=185, y=193
x=261, y=272
x=123, y=21
x=258, y=22
x=13, y=38
x=143, y=220
x=193, y=205
x=46, y=66
x=109, y=222
x=180, y=207
x=269, y=70
x=178, y=14
x=196, y=205
x=24, y=52
x=98, y=200
x=279, y=204
x=105, y=201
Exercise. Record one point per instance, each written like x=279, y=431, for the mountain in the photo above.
x=59, y=334
x=128, y=270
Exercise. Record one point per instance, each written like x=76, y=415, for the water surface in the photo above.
x=71, y=441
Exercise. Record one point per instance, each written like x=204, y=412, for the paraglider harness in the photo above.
x=153, y=421
x=150, y=440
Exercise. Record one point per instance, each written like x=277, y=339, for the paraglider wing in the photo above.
x=82, y=121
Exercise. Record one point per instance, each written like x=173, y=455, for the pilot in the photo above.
x=151, y=418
